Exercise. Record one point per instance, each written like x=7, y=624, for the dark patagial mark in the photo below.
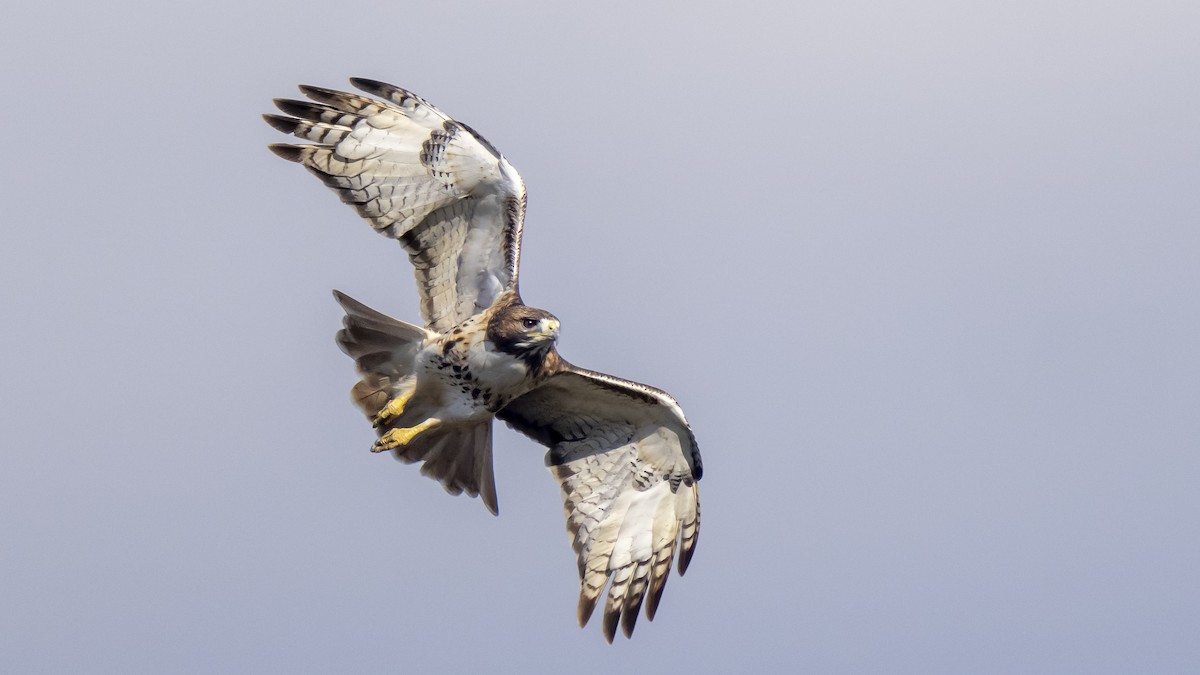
x=482, y=141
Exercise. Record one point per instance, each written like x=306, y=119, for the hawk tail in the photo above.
x=459, y=456
x=383, y=348
x=456, y=454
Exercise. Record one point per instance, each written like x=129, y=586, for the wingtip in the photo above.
x=651, y=610
x=584, y=610
x=292, y=153
x=280, y=123
x=384, y=90
x=611, y=618
x=689, y=536
x=685, y=559
x=629, y=620
x=314, y=92
x=367, y=84
x=654, y=594
x=323, y=100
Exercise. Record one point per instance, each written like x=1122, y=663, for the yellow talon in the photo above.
x=393, y=408
x=395, y=438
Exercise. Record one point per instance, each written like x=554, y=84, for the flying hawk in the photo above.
x=623, y=452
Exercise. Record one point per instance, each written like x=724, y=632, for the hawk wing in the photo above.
x=627, y=463
x=420, y=177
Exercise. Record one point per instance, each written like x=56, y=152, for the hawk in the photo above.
x=622, y=452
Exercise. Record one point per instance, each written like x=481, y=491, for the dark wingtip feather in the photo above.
x=280, y=123
x=370, y=86
x=629, y=617
x=654, y=595
x=328, y=100
x=610, y=624
x=585, y=609
x=688, y=544
x=303, y=109
x=292, y=153
x=685, y=555
x=317, y=93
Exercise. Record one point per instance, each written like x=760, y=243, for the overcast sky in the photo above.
x=925, y=277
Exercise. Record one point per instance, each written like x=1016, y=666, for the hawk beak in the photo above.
x=550, y=329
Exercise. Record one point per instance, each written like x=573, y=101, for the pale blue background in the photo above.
x=924, y=276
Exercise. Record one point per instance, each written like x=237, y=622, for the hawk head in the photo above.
x=523, y=331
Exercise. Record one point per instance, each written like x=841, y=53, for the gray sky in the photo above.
x=924, y=276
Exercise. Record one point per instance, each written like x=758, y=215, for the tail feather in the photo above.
x=458, y=454
x=383, y=349
x=359, y=314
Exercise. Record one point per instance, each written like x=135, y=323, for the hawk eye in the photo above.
x=529, y=323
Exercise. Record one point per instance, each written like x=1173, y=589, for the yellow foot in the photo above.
x=395, y=438
x=393, y=408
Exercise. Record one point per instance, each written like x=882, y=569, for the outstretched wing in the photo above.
x=627, y=464
x=420, y=177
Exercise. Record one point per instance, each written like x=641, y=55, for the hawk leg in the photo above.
x=393, y=408
x=397, y=437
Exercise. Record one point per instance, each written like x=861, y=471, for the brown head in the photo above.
x=523, y=331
